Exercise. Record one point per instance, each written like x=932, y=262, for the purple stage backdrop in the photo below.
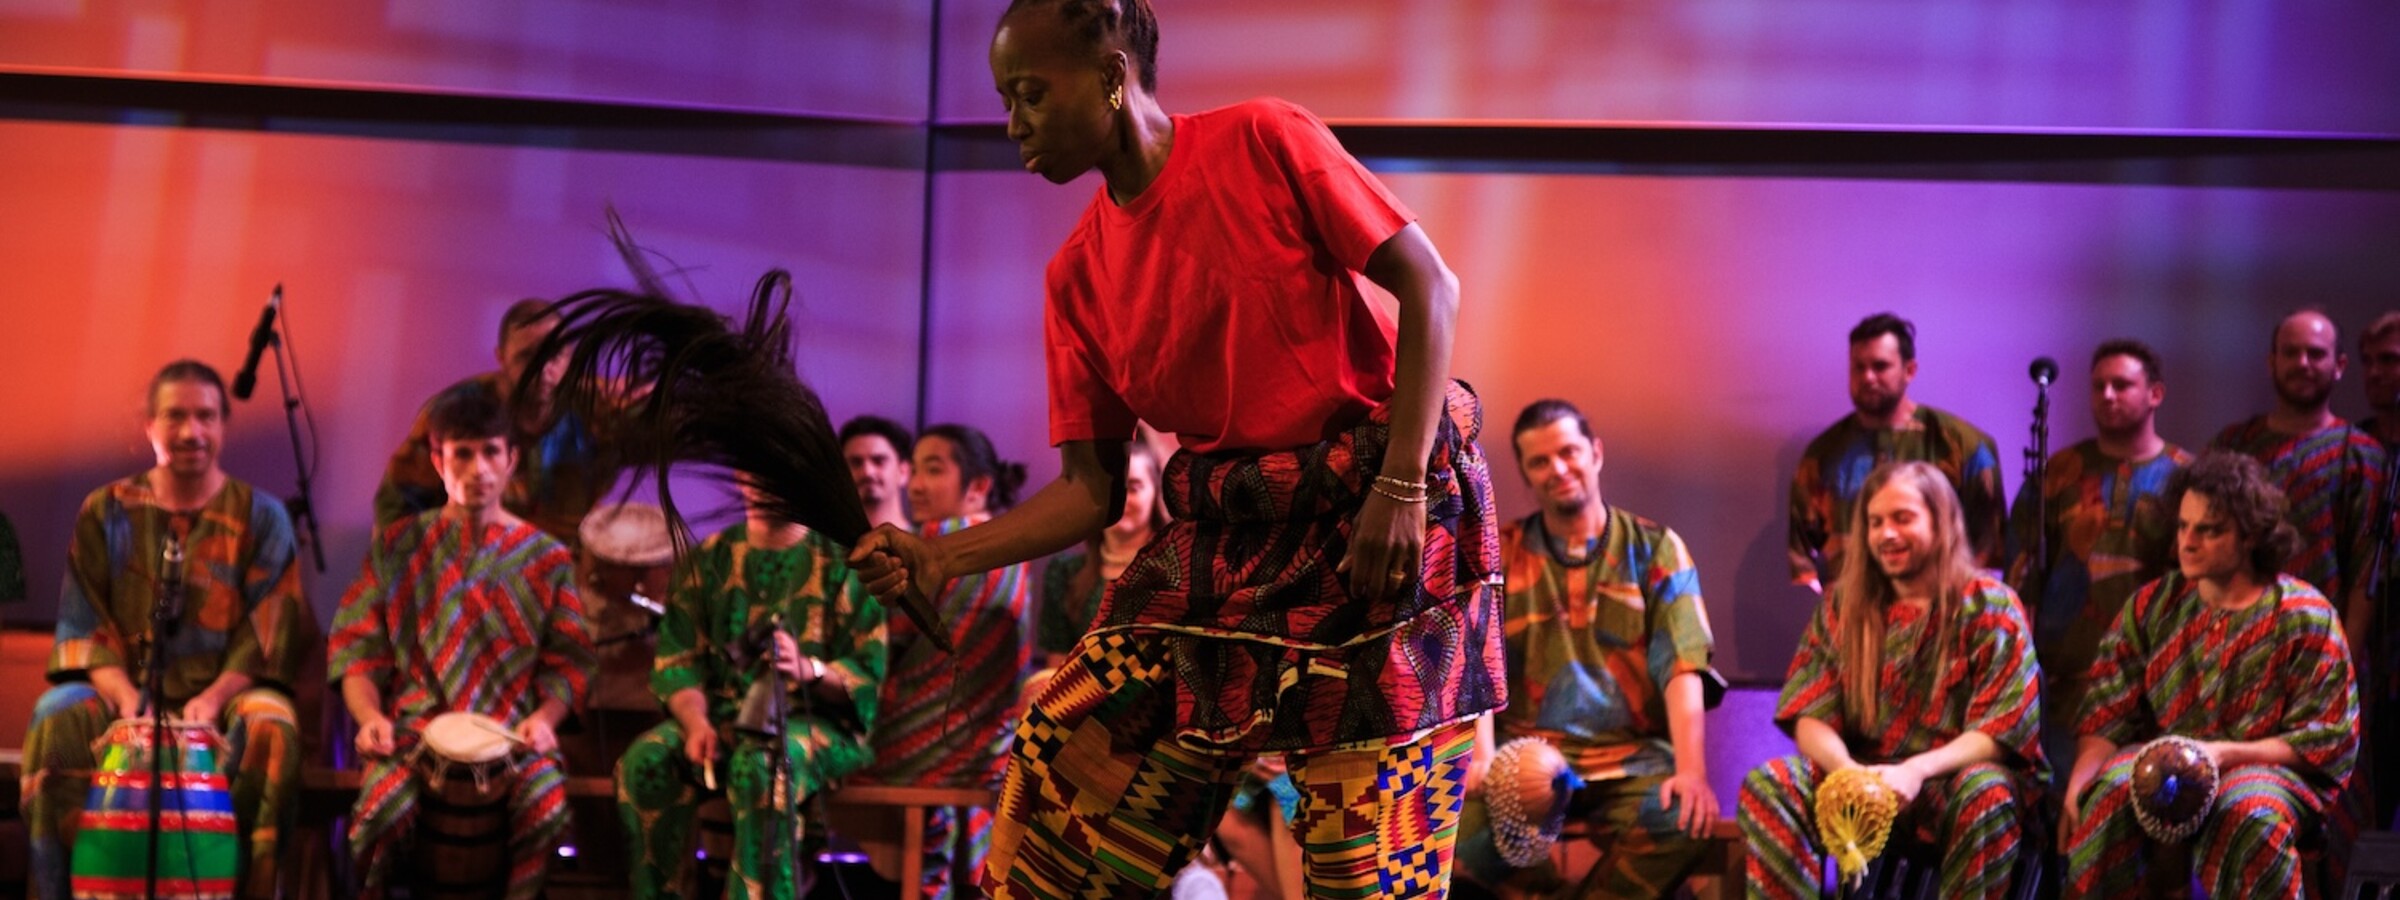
x=1698, y=319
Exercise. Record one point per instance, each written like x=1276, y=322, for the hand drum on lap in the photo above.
x=1855, y=810
x=2174, y=788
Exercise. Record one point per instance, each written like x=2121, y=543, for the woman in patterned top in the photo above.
x=1072, y=581
x=946, y=717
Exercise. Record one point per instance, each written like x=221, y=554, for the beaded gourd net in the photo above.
x=2174, y=788
x=1526, y=789
x=1855, y=810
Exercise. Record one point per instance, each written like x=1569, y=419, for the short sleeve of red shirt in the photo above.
x=1351, y=210
x=1082, y=404
x=1225, y=303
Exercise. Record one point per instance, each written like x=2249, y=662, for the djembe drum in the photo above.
x=198, y=854
x=468, y=764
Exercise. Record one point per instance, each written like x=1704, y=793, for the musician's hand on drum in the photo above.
x=202, y=708
x=537, y=734
x=700, y=746
x=375, y=737
x=129, y=705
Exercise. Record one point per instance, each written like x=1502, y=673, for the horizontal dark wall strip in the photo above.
x=2335, y=162
x=462, y=118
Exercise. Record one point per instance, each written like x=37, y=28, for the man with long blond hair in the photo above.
x=1920, y=668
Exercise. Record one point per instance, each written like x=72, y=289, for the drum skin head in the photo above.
x=467, y=737
x=628, y=534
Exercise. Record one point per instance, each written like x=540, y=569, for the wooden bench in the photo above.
x=1719, y=873
x=328, y=794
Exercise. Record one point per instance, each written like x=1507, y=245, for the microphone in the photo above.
x=2044, y=371
x=247, y=379
x=169, y=608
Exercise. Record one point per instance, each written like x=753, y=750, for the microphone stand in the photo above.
x=166, y=614
x=2037, y=462
x=304, y=515
x=763, y=715
x=779, y=766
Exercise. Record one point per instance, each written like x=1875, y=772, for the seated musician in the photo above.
x=763, y=592
x=466, y=608
x=2225, y=651
x=1919, y=668
x=948, y=718
x=1609, y=654
x=232, y=653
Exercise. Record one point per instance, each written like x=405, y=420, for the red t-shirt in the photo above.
x=1225, y=304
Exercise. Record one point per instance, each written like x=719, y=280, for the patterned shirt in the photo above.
x=1834, y=469
x=1063, y=619
x=731, y=587
x=242, y=608
x=946, y=718
x=2333, y=479
x=2111, y=529
x=1591, y=645
x=445, y=620
x=561, y=473
x=1991, y=684
x=2278, y=668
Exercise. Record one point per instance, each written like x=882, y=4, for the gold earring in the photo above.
x=1116, y=97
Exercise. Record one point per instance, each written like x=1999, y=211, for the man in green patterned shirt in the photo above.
x=1609, y=661
x=232, y=653
x=1886, y=425
x=721, y=625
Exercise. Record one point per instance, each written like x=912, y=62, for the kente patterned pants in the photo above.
x=1092, y=806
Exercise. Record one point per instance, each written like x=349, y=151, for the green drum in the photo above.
x=198, y=853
